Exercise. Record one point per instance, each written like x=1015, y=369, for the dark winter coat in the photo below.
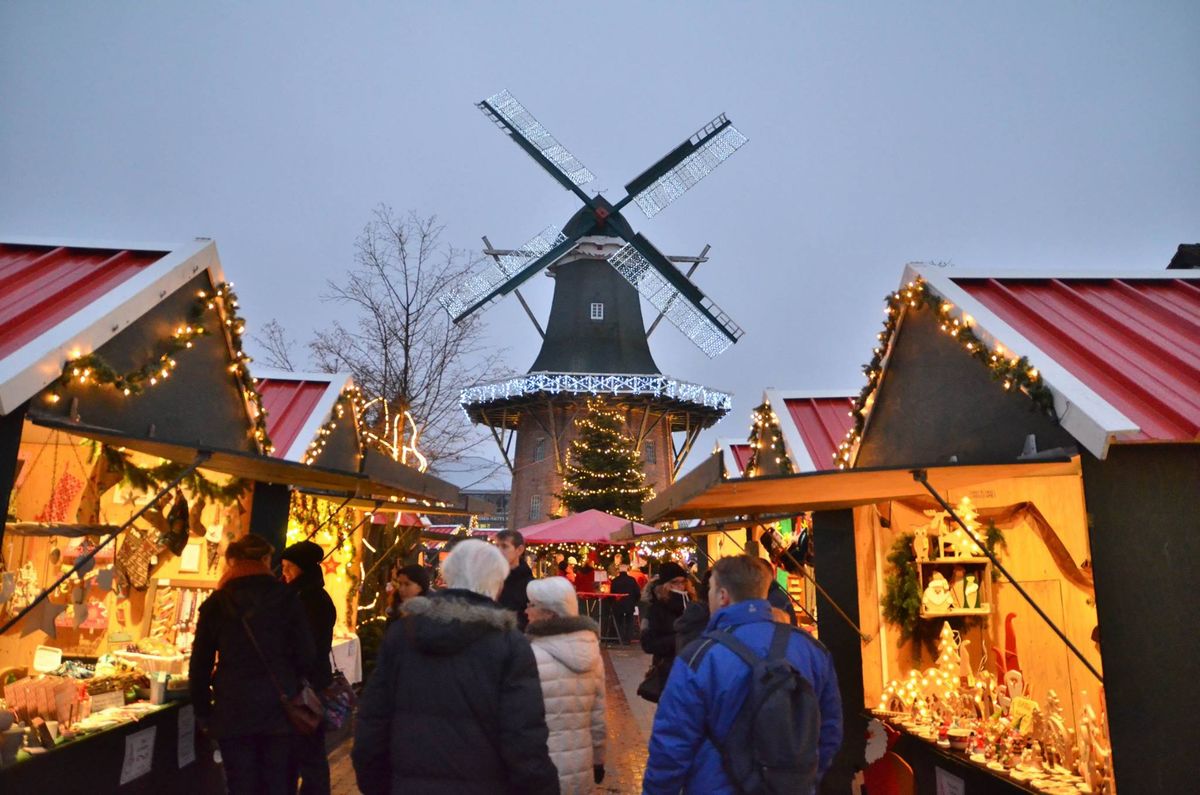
x=241, y=698
x=454, y=704
x=689, y=625
x=512, y=595
x=623, y=583
x=779, y=598
x=322, y=615
x=658, y=632
x=701, y=704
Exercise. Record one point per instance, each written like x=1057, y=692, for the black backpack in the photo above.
x=772, y=745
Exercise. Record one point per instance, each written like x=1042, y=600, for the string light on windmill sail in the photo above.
x=499, y=271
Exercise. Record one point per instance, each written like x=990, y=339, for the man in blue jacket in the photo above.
x=700, y=704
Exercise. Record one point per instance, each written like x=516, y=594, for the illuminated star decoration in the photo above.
x=394, y=440
x=329, y=565
x=42, y=617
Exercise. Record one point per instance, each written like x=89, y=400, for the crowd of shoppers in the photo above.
x=495, y=682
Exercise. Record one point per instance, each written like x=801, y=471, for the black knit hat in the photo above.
x=669, y=571
x=304, y=554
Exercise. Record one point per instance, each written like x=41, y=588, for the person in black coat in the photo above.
x=669, y=595
x=302, y=572
x=512, y=545
x=694, y=620
x=622, y=610
x=239, y=704
x=455, y=704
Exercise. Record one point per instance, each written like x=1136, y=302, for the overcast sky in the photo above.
x=1013, y=135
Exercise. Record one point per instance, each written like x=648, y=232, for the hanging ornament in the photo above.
x=175, y=538
x=42, y=617
x=104, y=579
x=195, y=526
x=85, y=548
x=58, y=507
x=8, y=586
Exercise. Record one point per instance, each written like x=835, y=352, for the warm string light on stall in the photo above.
x=765, y=426
x=92, y=370
x=313, y=519
x=348, y=400
x=1013, y=372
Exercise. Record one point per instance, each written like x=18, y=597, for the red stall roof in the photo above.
x=59, y=300
x=736, y=456
x=813, y=422
x=297, y=406
x=1120, y=352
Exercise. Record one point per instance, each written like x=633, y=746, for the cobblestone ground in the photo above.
x=629, y=720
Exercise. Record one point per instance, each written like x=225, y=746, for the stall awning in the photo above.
x=385, y=486
x=250, y=466
x=705, y=493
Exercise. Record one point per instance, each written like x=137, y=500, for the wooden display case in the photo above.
x=956, y=570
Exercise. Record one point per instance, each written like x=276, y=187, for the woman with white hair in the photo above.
x=454, y=704
x=567, y=648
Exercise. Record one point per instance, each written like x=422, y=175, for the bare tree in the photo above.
x=277, y=346
x=397, y=340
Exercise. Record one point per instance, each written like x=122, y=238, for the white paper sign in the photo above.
x=948, y=784
x=187, y=735
x=139, y=754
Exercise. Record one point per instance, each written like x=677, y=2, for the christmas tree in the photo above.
x=604, y=466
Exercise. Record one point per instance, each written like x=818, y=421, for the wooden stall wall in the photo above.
x=1145, y=503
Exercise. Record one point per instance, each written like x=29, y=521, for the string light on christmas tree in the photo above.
x=1014, y=373
x=603, y=468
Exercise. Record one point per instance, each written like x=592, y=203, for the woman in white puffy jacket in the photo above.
x=567, y=648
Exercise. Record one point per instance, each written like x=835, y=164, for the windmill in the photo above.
x=595, y=340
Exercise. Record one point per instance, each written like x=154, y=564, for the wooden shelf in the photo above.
x=981, y=568
x=965, y=611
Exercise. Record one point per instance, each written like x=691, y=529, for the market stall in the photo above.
x=985, y=615
x=133, y=447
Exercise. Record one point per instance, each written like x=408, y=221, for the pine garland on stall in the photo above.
x=604, y=466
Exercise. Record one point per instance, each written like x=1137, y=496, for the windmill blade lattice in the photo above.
x=695, y=314
x=512, y=117
x=504, y=274
x=685, y=165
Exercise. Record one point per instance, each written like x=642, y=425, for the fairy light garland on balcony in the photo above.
x=92, y=369
x=766, y=441
x=1013, y=372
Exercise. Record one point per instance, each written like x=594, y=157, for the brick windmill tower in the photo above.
x=596, y=341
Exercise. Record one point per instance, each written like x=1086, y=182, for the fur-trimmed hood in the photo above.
x=573, y=640
x=448, y=621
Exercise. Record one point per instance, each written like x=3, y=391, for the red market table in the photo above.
x=593, y=606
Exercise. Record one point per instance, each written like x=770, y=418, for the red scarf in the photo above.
x=241, y=568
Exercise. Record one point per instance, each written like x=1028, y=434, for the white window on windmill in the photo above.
x=597, y=311
x=650, y=453
x=539, y=449
x=535, y=507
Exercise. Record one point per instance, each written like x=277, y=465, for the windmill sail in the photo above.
x=506, y=273
x=512, y=117
x=684, y=166
x=676, y=296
